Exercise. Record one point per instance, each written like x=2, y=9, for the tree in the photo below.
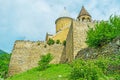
x=104, y=32
x=4, y=63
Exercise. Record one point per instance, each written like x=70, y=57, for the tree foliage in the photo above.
x=104, y=32
x=4, y=63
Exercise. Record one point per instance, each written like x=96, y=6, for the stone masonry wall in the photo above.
x=26, y=55
x=69, y=44
x=79, y=35
x=76, y=38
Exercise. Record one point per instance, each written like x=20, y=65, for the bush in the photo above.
x=114, y=64
x=38, y=43
x=96, y=69
x=44, y=61
x=102, y=63
x=4, y=64
x=58, y=42
x=85, y=70
x=50, y=42
x=64, y=42
x=104, y=32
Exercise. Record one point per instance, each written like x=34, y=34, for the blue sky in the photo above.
x=31, y=19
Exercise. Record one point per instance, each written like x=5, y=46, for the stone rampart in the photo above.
x=26, y=54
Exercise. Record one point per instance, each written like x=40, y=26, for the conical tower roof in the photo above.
x=83, y=12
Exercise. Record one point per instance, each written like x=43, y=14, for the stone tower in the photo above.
x=62, y=26
x=63, y=21
x=84, y=16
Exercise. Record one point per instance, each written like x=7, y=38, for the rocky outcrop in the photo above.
x=110, y=48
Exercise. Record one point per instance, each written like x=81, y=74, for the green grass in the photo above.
x=54, y=72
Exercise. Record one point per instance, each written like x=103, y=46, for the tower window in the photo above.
x=88, y=19
x=83, y=19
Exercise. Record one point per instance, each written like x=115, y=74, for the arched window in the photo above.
x=88, y=19
x=83, y=19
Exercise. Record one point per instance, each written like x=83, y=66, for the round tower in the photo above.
x=63, y=21
x=84, y=16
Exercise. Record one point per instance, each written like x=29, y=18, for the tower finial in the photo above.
x=64, y=8
x=65, y=13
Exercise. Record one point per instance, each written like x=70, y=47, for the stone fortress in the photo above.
x=26, y=54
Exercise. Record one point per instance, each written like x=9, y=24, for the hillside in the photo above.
x=1, y=51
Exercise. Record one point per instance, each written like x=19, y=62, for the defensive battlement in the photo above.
x=28, y=44
x=26, y=55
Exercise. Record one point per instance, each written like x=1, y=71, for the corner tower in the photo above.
x=84, y=16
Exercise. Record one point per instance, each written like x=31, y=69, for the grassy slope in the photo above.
x=54, y=72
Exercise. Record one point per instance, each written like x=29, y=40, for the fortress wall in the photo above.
x=26, y=55
x=69, y=44
x=76, y=38
x=63, y=58
x=79, y=35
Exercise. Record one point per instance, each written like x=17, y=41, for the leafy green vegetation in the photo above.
x=85, y=70
x=104, y=32
x=44, y=61
x=50, y=42
x=64, y=43
x=103, y=68
x=4, y=63
x=57, y=41
x=53, y=72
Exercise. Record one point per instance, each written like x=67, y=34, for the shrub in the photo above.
x=85, y=70
x=96, y=69
x=104, y=32
x=114, y=64
x=45, y=46
x=102, y=63
x=4, y=64
x=50, y=42
x=64, y=42
x=44, y=61
x=38, y=43
x=117, y=77
x=57, y=41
